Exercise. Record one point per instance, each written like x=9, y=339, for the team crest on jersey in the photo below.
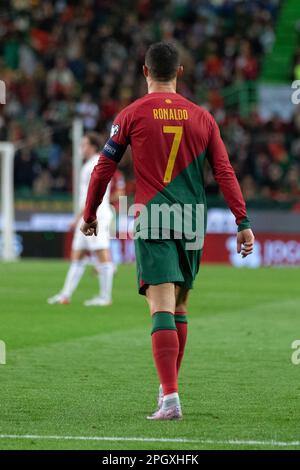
x=114, y=129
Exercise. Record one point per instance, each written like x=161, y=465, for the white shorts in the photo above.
x=100, y=242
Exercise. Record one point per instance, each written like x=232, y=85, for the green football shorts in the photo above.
x=165, y=260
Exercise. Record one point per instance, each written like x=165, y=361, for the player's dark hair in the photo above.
x=162, y=60
x=94, y=140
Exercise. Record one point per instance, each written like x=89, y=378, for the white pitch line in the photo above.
x=237, y=442
x=95, y=438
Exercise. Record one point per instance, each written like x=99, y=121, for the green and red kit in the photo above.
x=170, y=138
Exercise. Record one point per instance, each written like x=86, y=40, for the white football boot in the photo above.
x=169, y=410
x=98, y=302
x=58, y=299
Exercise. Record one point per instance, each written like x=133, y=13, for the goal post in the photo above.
x=7, y=154
x=77, y=134
x=7, y=216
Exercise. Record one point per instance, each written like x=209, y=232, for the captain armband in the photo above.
x=113, y=151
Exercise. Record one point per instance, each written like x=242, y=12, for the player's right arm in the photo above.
x=109, y=158
x=228, y=183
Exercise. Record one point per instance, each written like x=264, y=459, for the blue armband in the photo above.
x=113, y=151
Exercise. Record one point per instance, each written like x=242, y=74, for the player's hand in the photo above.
x=73, y=224
x=90, y=229
x=245, y=242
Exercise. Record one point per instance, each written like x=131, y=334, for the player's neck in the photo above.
x=162, y=87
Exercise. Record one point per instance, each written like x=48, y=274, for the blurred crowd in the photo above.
x=265, y=156
x=62, y=59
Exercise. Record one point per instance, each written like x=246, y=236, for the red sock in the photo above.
x=165, y=348
x=182, y=335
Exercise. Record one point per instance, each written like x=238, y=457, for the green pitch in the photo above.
x=84, y=372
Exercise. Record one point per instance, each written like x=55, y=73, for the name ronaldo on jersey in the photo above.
x=171, y=114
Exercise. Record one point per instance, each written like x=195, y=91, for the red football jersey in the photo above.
x=170, y=137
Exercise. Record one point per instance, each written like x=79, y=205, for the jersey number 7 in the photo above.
x=177, y=131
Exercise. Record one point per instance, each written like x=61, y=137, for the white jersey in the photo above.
x=104, y=213
x=85, y=175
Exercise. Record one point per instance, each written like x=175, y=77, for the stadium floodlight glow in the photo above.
x=7, y=153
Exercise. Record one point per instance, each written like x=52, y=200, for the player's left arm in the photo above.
x=228, y=183
x=103, y=172
x=100, y=178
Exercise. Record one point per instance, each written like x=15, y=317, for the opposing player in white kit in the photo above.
x=99, y=246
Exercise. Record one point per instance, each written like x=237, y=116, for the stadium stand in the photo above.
x=90, y=57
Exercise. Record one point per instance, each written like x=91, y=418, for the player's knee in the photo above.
x=182, y=299
x=161, y=298
x=161, y=305
x=76, y=255
x=103, y=255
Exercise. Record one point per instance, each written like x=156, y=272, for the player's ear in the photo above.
x=145, y=71
x=180, y=71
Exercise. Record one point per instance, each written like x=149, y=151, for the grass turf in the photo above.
x=74, y=371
